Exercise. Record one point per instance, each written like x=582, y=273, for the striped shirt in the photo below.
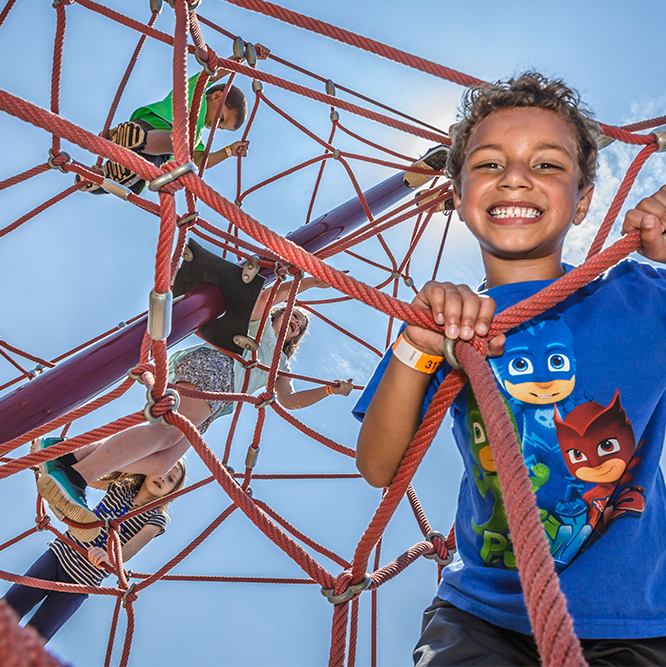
x=119, y=500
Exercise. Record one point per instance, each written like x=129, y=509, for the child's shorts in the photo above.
x=454, y=637
x=209, y=370
x=136, y=183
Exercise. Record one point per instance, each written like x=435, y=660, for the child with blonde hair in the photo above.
x=65, y=564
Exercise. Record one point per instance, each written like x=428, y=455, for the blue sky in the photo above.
x=87, y=264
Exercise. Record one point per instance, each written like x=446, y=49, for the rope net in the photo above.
x=385, y=246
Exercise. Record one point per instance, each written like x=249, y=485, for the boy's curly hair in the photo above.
x=530, y=89
x=235, y=102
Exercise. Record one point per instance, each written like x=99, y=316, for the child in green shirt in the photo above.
x=149, y=130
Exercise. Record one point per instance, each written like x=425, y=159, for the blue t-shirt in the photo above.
x=585, y=384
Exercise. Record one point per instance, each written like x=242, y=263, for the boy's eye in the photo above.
x=520, y=366
x=546, y=165
x=489, y=165
x=558, y=362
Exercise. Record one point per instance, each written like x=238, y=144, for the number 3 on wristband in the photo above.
x=414, y=358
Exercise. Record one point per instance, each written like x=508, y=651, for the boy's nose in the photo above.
x=515, y=175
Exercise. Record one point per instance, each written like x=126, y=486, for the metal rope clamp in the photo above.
x=267, y=402
x=347, y=594
x=113, y=188
x=660, y=133
x=171, y=176
x=449, y=355
x=204, y=64
x=187, y=218
x=129, y=590
x=41, y=524
x=60, y=167
x=147, y=411
x=134, y=376
x=434, y=555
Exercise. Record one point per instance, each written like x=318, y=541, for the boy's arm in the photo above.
x=394, y=414
x=650, y=217
x=237, y=149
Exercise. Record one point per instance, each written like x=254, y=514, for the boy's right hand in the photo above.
x=239, y=148
x=463, y=313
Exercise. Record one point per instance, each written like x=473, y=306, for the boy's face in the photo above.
x=228, y=118
x=519, y=185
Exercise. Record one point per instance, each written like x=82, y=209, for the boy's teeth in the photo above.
x=515, y=212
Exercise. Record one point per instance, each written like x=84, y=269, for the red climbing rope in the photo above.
x=346, y=580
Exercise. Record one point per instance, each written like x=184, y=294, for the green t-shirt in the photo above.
x=160, y=114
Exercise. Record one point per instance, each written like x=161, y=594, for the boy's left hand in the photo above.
x=650, y=217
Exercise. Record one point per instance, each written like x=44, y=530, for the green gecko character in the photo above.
x=495, y=531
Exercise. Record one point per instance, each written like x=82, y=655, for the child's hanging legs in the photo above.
x=140, y=136
x=152, y=449
x=57, y=606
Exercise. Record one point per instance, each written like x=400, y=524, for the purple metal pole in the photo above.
x=71, y=383
x=63, y=388
x=346, y=217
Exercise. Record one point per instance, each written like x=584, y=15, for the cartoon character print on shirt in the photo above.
x=497, y=547
x=599, y=446
x=538, y=370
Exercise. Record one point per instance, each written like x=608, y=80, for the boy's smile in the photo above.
x=520, y=192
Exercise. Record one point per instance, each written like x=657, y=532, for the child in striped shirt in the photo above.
x=63, y=563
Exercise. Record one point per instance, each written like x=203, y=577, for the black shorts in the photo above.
x=453, y=637
x=137, y=184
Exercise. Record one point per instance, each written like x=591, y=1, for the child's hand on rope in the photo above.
x=343, y=387
x=463, y=312
x=262, y=51
x=650, y=217
x=97, y=556
x=239, y=148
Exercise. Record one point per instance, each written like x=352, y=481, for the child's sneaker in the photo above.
x=92, y=187
x=70, y=499
x=434, y=159
x=130, y=135
x=42, y=443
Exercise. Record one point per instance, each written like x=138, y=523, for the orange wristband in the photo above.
x=414, y=358
x=329, y=389
x=228, y=151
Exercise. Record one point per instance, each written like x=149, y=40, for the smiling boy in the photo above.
x=522, y=163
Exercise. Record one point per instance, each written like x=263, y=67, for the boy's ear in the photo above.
x=584, y=201
x=456, y=201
